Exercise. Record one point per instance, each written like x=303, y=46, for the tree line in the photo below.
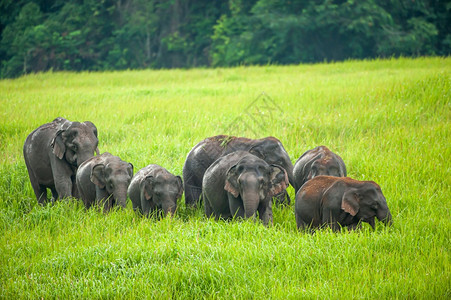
x=77, y=35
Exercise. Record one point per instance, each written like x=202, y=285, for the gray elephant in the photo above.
x=340, y=201
x=104, y=179
x=315, y=162
x=209, y=150
x=241, y=184
x=52, y=154
x=154, y=188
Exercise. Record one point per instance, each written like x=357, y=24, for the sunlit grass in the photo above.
x=388, y=119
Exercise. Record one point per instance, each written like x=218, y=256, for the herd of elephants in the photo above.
x=232, y=176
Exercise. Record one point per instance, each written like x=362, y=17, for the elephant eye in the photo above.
x=74, y=147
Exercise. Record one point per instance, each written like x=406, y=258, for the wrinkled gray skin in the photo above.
x=104, y=180
x=209, y=150
x=340, y=201
x=315, y=162
x=52, y=154
x=241, y=184
x=153, y=188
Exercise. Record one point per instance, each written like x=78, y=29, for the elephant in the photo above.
x=241, y=184
x=315, y=162
x=207, y=151
x=104, y=179
x=153, y=188
x=52, y=154
x=340, y=201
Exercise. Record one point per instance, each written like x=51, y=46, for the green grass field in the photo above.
x=390, y=120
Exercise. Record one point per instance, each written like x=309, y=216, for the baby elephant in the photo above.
x=154, y=188
x=315, y=162
x=104, y=179
x=240, y=184
x=340, y=201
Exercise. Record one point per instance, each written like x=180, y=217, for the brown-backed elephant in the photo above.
x=210, y=149
x=340, y=201
x=104, y=179
x=315, y=162
x=153, y=188
x=241, y=184
x=52, y=154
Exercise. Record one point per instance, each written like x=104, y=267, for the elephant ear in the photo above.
x=58, y=145
x=147, y=184
x=180, y=186
x=231, y=182
x=130, y=169
x=279, y=180
x=350, y=202
x=307, y=170
x=98, y=175
x=341, y=163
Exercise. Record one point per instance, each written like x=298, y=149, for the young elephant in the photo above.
x=240, y=184
x=154, y=188
x=104, y=179
x=315, y=162
x=54, y=151
x=340, y=201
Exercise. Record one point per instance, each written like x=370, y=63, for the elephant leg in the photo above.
x=40, y=191
x=41, y=194
x=63, y=187
x=265, y=213
x=207, y=207
x=101, y=197
x=192, y=195
x=329, y=219
x=236, y=206
x=108, y=204
x=54, y=194
x=282, y=198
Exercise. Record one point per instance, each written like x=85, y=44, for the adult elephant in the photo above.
x=104, y=179
x=241, y=184
x=315, y=162
x=154, y=188
x=210, y=149
x=52, y=154
x=340, y=201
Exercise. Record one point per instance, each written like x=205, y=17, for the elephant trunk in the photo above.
x=251, y=200
x=169, y=206
x=120, y=195
x=290, y=175
x=83, y=156
x=385, y=217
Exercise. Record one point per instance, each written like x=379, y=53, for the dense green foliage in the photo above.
x=40, y=35
x=388, y=119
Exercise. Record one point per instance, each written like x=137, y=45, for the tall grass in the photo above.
x=388, y=119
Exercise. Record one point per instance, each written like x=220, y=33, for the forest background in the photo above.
x=42, y=35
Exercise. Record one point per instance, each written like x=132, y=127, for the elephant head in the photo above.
x=326, y=165
x=160, y=192
x=75, y=141
x=365, y=202
x=114, y=177
x=255, y=182
x=272, y=151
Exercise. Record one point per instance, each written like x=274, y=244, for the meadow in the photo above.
x=388, y=119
